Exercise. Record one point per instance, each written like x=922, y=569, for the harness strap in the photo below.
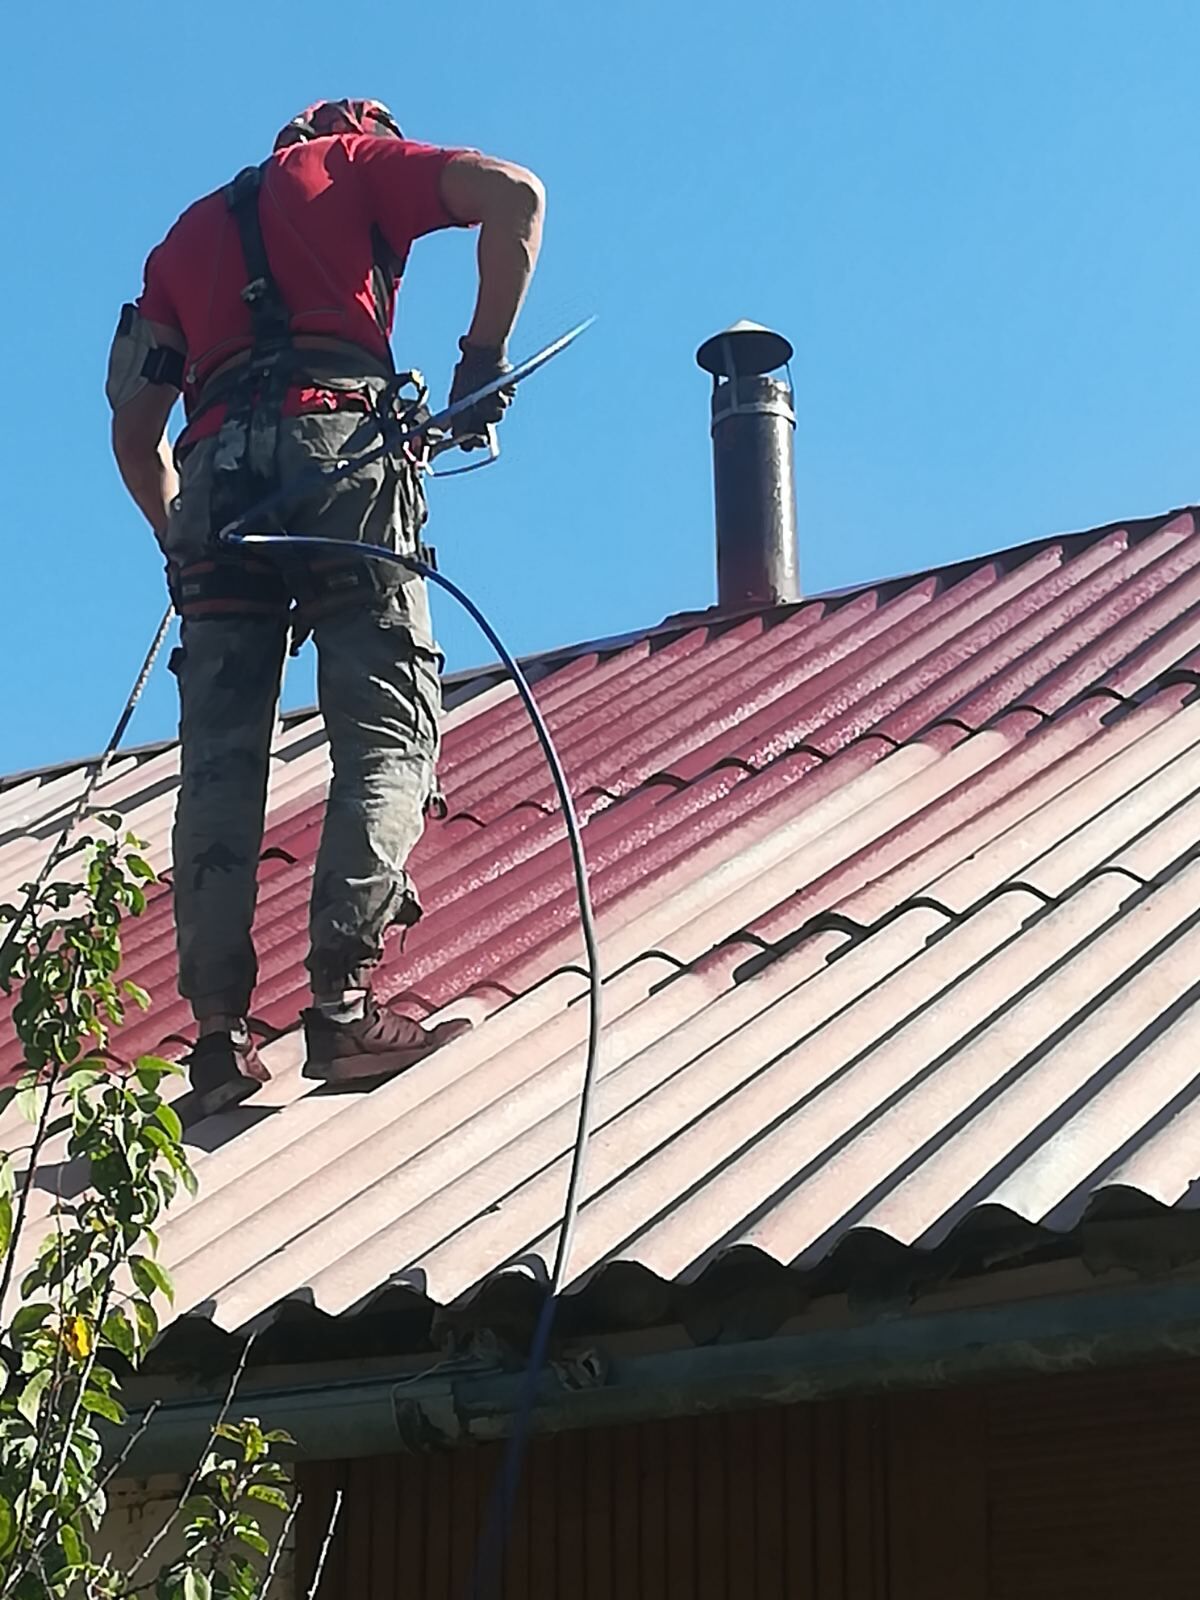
x=269, y=317
x=245, y=467
x=383, y=287
x=233, y=587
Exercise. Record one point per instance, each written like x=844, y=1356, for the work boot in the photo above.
x=224, y=1068
x=379, y=1044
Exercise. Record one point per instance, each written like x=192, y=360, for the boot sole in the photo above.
x=196, y=1104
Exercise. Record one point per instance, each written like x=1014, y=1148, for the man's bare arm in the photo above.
x=508, y=202
x=139, y=438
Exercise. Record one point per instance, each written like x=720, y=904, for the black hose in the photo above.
x=492, y=1546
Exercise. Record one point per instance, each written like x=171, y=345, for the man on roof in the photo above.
x=269, y=306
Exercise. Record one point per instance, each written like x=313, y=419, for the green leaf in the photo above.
x=198, y=1508
x=269, y=1496
x=86, y=1074
x=149, y=1072
x=136, y=993
x=28, y=1318
x=8, y=1529
x=35, y=1278
x=111, y=820
x=255, y=1540
x=6, y=1222
x=73, y=1548
x=169, y=1118
x=29, y=1102
x=149, y=1276
x=147, y=1322
x=103, y=1406
x=244, y=1577
x=141, y=868
x=278, y=1436
x=31, y=1395
x=196, y=1585
x=118, y=1330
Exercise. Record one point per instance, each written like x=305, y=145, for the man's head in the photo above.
x=327, y=117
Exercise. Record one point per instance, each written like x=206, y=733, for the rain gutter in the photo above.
x=387, y=1415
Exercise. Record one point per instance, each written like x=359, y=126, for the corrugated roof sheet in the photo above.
x=898, y=898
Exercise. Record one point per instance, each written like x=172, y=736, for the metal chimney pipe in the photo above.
x=754, y=474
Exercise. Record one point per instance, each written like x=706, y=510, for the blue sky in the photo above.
x=977, y=222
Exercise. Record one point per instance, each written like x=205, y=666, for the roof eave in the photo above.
x=450, y=1406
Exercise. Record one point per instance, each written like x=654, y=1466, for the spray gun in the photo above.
x=439, y=442
x=402, y=412
x=405, y=426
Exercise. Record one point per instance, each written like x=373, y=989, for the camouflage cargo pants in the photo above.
x=380, y=696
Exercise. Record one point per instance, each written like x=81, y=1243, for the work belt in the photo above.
x=342, y=373
x=245, y=469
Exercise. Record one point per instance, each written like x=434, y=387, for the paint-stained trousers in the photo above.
x=379, y=693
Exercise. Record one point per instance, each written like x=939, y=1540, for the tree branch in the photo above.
x=199, y=1467
x=128, y=1447
x=328, y=1540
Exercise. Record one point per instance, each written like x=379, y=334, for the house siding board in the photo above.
x=1091, y=1489
x=856, y=835
x=1080, y=1486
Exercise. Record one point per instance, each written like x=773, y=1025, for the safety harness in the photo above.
x=245, y=461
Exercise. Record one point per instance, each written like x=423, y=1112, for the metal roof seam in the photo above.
x=932, y=727
x=801, y=748
x=1172, y=870
x=856, y=933
x=732, y=763
x=1175, y=675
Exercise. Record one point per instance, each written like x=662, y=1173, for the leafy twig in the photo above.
x=199, y=1467
x=70, y=1311
x=45, y=1531
x=39, y=1139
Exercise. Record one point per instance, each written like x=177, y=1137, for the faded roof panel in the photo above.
x=896, y=894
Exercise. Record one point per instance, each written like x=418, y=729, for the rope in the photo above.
x=95, y=778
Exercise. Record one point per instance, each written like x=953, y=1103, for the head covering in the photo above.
x=327, y=117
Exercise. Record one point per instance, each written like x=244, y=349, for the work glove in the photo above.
x=477, y=367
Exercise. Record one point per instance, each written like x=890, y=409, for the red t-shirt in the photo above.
x=319, y=202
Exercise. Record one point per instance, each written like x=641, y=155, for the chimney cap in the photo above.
x=750, y=347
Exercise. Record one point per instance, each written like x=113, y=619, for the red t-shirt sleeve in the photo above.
x=403, y=183
x=155, y=302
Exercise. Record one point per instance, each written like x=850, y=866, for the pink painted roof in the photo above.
x=897, y=894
